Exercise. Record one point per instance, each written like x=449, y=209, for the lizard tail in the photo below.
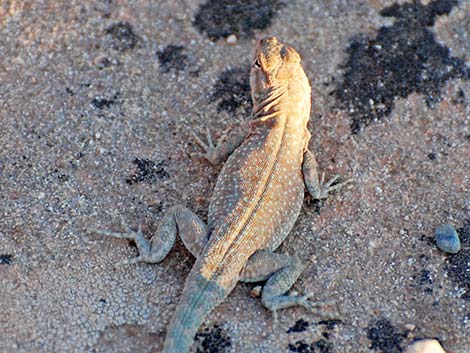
x=199, y=297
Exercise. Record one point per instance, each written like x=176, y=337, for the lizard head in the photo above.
x=275, y=64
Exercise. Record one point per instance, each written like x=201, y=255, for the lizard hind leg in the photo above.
x=177, y=220
x=281, y=271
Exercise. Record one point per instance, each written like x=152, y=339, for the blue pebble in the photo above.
x=447, y=239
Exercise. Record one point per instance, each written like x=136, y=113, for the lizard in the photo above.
x=256, y=200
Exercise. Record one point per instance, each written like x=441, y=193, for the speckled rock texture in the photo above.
x=97, y=102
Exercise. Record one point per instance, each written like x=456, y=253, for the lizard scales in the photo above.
x=256, y=200
x=258, y=193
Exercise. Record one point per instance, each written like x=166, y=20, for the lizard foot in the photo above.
x=211, y=152
x=329, y=186
x=143, y=245
x=285, y=301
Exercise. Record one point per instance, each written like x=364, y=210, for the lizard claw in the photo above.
x=211, y=151
x=330, y=186
x=313, y=306
x=275, y=320
x=137, y=237
x=286, y=301
x=201, y=143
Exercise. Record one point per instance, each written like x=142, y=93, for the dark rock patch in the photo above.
x=329, y=324
x=102, y=103
x=459, y=97
x=299, y=326
x=123, y=36
x=300, y=347
x=402, y=59
x=147, y=171
x=320, y=346
x=213, y=340
x=6, y=259
x=423, y=281
x=220, y=18
x=232, y=90
x=105, y=63
x=172, y=57
x=459, y=264
x=60, y=175
x=314, y=204
x=425, y=277
x=385, y=337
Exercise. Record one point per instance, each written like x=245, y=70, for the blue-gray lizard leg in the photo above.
x=177, y=220
x=316, y=186
x=226, y=144
x=281, y=271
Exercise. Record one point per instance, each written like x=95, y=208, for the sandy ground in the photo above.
x=97, y=102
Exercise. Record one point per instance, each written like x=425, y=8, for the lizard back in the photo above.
x=259, y=192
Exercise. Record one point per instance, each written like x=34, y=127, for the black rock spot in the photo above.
x=402, y=59
x=6, y=259
x=429, y=291
x=172, y=57
x=300, y=347
x=423, y=280
x=60, y=175
x=105, y=63
x=314, y=204
x=220, y=18
x=459, y=97
x=329, y=324
x=123, y=36
x=213, y=340
x=425, y=277
x=101, y=103
x=385, y=337
x=232, y=90
x=320, y=346
x=148, y=171
x=459, y=264
x=300, y=326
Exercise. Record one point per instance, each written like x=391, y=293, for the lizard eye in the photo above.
x=257, y=64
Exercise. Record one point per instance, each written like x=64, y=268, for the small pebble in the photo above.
x=425, y=346
x=231, y=39
x=256, y=292
x=447, y=239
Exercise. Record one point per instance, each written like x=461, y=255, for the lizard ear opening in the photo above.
x=290, y=59
x=289, y=54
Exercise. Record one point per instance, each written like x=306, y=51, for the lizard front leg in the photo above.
x=177, y=220
x=226, y=144
x=281, y=271
x=316, y=186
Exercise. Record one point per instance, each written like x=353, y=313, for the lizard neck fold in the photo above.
x=268, y=104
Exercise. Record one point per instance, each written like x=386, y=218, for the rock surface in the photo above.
x=97, y=101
